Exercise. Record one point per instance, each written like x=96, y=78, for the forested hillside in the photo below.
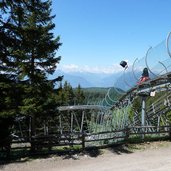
x=95, y=95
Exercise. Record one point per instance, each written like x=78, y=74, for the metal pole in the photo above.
x=143, y=113
x=147, y=62
x=125, y=79
x=163, y=66
x=133, y=69
x=167, y=44
x=108, y=95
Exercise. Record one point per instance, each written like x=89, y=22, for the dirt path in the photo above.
x=147, y=157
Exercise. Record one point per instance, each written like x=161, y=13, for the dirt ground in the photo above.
x=148, y=156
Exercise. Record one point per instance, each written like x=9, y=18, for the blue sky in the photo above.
x=98, y=34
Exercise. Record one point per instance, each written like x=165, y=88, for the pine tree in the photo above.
x=68, y=94
x=38, y=46
x=28, y=54
x=8, y=78
x=79, y=96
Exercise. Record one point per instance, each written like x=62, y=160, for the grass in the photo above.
x=138, y=139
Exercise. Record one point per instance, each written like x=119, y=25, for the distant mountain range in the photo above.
x=120, y=80
x=86, y=79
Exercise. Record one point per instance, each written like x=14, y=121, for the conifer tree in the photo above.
x=8, y=78
x=79, y=95
x=68, y=94
x=28, y=54
x=8, y=43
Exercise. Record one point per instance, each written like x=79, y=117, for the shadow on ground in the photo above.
x=120, y=149
x=93, y=152
x=24, y=156
x=21, y=156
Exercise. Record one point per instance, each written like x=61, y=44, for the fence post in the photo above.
x=127, y=131
x=170, y=132
x=83, y=141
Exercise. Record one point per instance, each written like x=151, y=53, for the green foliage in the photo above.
x=27, y=55
x=156, y=102
x=137, y=104
x=79, y=95
x=66, y=95
x=97, y=94
x=28, y=50
x=8, y=96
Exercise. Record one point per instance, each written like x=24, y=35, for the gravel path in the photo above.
x=147, y=157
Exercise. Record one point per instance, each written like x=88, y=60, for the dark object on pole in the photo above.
x=124, y=64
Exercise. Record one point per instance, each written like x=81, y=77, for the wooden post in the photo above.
x=82, y=121
x=127, y=131
x=60, y=123
x=170, y=132
x=83, y=141
x=30, y=128
x=33, y=131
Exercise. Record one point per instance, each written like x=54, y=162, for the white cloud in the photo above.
x=95, y=69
